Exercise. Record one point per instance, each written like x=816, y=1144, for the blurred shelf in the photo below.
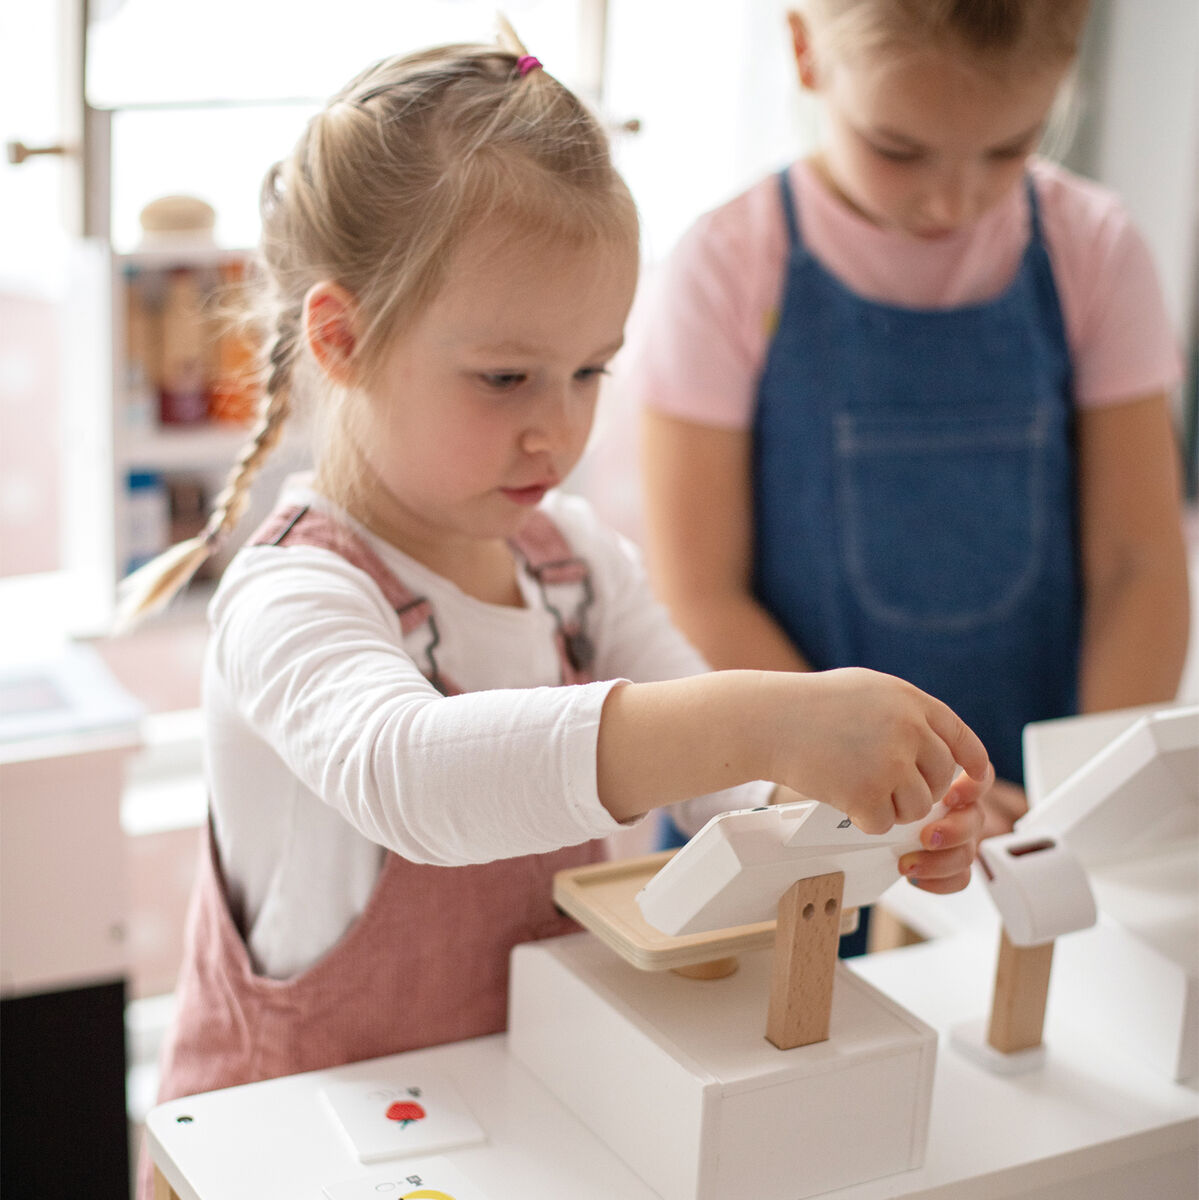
x=201, y=447
x=179, y=251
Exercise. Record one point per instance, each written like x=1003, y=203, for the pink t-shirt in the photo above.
x=702, y=324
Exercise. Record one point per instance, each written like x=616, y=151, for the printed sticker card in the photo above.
x=386, y=1116
x=423, y=1179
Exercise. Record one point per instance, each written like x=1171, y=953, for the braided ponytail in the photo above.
x=151, y=587
x=276, y=407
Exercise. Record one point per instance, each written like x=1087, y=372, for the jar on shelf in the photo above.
x=234, y=392
x=148, y=518
x=186, y=371
x=143, y=341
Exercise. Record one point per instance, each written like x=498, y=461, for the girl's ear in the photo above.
x=330, y=315
x=801, y=47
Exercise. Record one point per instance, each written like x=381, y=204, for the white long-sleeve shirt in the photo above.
x=327, y=746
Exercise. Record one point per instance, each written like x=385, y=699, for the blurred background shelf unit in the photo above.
x=160, y=397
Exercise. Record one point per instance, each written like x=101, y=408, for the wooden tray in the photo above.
x=602, y=898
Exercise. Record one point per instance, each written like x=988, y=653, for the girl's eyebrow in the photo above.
x=501, y=349
x=522, y=350
x=909, y=143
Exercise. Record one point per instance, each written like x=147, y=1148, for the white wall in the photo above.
x=1145, y=129
x=713, y=84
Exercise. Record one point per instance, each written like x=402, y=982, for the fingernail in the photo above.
x=935, y=838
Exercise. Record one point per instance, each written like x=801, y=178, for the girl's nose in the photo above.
x=553, y=428
x=951, y=200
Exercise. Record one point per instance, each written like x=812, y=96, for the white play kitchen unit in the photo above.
x=700, y=1041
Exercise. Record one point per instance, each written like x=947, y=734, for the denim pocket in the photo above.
x=942, y=515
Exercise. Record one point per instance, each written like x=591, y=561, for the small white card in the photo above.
x=421, y=1179
x=390, y=1116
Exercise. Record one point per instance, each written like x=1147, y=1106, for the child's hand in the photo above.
x=1003, y=805
x=950, y=843
x=878, y=749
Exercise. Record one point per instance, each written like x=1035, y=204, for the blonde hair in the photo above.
x=401, y=166
x=1006, y=32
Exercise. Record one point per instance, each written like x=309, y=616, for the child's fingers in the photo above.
x=959, y=827
x=1003, y=805
x=912, y=799
x=940, y=864
x=934, y=870
x=964, y=744
x=936, y=764
x=943, y=887
x=950, y=846
x=964, y=790
x=875, y=817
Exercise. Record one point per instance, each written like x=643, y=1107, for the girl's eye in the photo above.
x=503, y=381
x=1021, y=148
x=896, y=156
x=586, y=373
x=1007, y=153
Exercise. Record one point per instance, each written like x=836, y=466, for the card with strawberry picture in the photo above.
x=385, y=1116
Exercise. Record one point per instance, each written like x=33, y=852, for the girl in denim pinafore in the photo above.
x=913, y=495
x=914, y=491
x=885, y=428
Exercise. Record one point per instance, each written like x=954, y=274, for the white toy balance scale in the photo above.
x=1121, y=790
x=776, y=1076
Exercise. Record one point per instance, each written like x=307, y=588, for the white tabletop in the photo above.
x=1092, y=1122
x=1091, y=1110
x=275, y=1139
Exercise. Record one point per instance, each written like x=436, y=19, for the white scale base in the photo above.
x=676, y=1076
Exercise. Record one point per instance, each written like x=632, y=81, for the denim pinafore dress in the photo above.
x=914, y=492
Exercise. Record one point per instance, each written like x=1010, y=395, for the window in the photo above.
x=205, y=97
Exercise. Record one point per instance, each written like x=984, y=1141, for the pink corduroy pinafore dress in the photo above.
x=426, y=962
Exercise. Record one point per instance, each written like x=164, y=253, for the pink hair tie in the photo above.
x=527, y=63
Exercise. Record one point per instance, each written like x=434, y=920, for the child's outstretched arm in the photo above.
x=871, y=745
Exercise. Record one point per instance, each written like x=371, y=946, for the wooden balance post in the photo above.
x=805, y=959
x=1041, y=891
x=806, y=939
x=1021, y=993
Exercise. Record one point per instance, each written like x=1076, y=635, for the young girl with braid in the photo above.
x=433, y=679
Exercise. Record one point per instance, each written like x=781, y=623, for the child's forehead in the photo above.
x=507, y=240
x=931, y=90
x=512, y=259
x=522, y=295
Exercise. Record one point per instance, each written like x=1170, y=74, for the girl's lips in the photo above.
x=527, y=495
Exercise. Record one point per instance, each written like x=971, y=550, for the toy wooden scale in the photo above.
x=659, y=1047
